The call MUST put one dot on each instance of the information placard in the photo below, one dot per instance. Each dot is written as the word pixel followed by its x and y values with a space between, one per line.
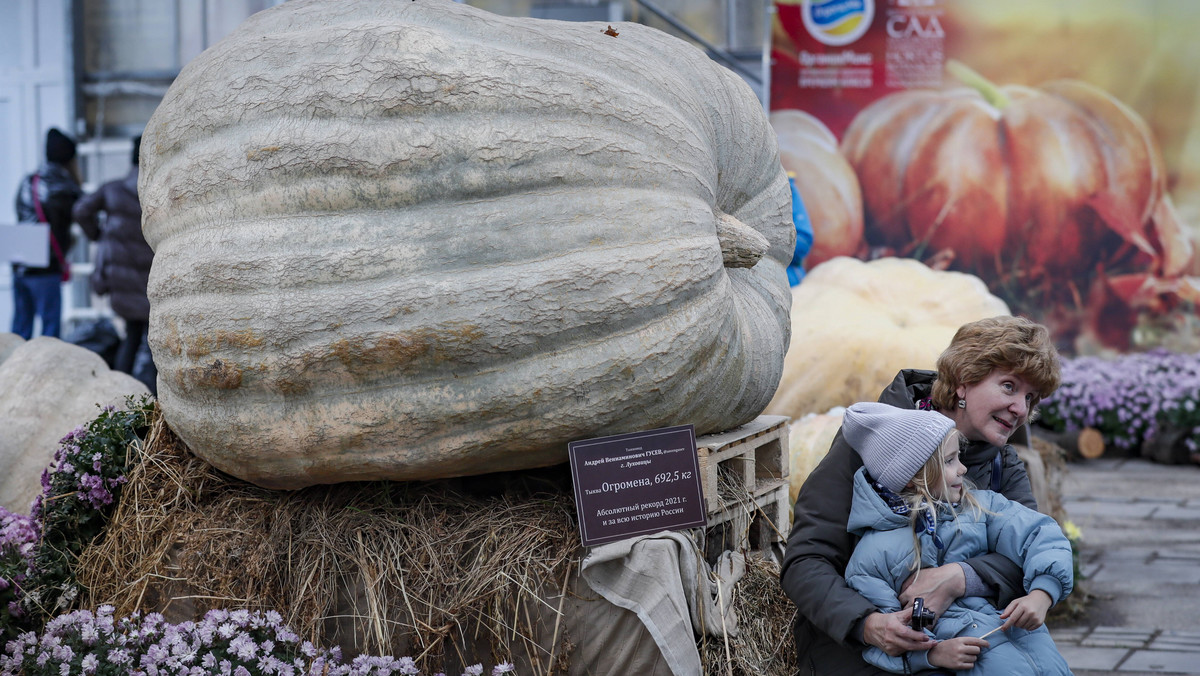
pixel 638 483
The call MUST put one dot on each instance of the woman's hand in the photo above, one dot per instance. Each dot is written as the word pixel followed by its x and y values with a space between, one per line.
pixel 890 633
pixel 938 586
pixel 1027 612
pixel 957 653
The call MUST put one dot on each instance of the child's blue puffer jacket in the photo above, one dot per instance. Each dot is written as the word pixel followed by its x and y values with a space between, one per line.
pixel 883 558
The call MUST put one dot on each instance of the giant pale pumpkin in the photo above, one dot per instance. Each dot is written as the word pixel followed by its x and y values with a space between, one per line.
pixel 407 240
pixel 1021 184
pixel 856 324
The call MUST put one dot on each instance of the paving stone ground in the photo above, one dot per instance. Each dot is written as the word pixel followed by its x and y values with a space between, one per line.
pixel 1140 555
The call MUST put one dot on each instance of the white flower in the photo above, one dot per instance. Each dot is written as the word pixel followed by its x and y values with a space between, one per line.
pixel 118 656
pixel 241 616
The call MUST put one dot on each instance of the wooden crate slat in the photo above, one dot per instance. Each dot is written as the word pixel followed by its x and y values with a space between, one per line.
pixel 754 455
pixel 751 528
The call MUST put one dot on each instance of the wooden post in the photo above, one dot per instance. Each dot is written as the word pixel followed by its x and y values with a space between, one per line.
pixel 1086 443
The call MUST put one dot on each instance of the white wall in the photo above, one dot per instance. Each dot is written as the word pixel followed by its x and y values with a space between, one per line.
pixel 35 94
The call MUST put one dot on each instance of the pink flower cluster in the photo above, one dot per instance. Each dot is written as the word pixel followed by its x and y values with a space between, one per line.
pixel 1128 398
pixel 229 643
pixel 18 537
pixel 84 473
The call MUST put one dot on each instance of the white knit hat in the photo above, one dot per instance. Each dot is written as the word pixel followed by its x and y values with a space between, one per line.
pixel 894 442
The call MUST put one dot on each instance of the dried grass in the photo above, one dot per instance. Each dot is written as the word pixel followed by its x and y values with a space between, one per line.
pixel 428 569
pixel 392 568
pixel 1054 458
pixel 764 645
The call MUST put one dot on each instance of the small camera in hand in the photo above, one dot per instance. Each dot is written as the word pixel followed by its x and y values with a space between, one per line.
pixel 922 617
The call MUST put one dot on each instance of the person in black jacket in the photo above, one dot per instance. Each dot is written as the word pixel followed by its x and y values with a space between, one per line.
pixel 122 265
pixel 988 381
pixel 46 196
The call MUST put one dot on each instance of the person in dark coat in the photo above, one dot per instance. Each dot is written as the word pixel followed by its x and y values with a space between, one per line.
pixel 122 265
pixel 46 196
pixel 987 381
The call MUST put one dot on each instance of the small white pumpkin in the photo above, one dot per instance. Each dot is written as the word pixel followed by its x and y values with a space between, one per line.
pixel 48 387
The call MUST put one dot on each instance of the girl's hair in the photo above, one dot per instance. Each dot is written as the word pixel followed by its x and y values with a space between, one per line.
pixel 919 497
pixel 1012 344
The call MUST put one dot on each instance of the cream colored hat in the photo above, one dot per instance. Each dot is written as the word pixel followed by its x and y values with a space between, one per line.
pixel 894 442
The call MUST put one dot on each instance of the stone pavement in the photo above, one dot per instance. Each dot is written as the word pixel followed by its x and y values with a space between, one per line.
pixel 1140 557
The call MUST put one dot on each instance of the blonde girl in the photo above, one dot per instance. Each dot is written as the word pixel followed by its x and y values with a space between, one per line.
pixel 913 508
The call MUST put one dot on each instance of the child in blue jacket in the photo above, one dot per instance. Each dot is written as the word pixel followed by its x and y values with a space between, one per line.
pixel 910 497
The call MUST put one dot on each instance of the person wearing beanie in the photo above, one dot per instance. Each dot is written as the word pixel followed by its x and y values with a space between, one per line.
pixel 123 259
pixel 912 509
pixel 894 458
pixel 987 383
pixel 60 149
pixel 46 196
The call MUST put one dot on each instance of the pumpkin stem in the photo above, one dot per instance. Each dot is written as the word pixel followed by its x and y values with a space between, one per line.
pixel 741 245
pixel 986 88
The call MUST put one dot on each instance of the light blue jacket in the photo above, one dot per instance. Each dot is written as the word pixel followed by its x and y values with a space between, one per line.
pixel 882 562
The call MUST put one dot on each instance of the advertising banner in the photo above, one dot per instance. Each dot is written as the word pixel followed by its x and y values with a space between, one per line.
pixel 1050 148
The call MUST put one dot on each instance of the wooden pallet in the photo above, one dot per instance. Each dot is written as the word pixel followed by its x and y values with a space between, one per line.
pixel 758 526
pixel 744 474
pixel 749 459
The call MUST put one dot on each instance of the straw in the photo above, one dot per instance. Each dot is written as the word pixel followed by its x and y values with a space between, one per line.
pixel 436 570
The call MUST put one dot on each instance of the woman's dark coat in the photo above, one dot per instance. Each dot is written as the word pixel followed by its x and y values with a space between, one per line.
pixel 819 546
pixel 123 260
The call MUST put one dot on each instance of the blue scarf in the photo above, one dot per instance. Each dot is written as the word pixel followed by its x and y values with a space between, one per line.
pixel 898 506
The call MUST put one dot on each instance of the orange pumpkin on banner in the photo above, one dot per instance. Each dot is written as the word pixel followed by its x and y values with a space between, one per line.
pixel 1022 185
pixel 826 183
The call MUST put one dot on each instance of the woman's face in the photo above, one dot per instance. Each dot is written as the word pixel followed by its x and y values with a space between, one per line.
pixel 995 407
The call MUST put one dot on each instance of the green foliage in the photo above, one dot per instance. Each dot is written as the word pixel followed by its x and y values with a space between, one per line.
pixel 80 491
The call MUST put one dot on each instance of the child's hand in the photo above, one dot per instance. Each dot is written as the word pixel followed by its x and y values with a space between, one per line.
pixel 957 653
pixel 890 633
pixel 1027 612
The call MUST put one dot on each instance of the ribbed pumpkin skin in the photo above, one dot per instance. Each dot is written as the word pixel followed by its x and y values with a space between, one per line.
pixel 410 240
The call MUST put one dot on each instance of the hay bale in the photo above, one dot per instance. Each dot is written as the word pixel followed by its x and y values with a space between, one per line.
pixel 1046 464
pixel 451 572
pixel 426 560
pixel 764 645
